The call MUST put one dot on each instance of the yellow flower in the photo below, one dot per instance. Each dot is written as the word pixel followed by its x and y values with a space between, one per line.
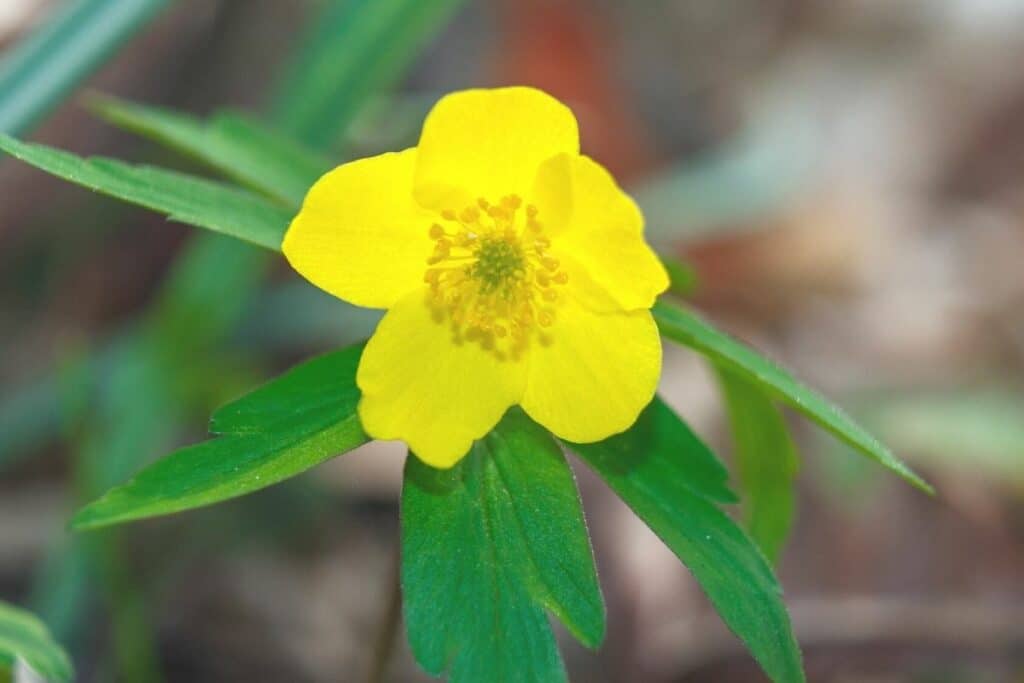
pixel 513 270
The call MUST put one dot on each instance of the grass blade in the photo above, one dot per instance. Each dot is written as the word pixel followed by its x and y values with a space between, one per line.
pixel 356 49
pixel 236 146
pixel 188 199
pixel 46 68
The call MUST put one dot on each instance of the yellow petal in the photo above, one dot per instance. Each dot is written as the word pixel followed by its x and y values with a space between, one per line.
pixel 490 143
pixel 592 220
pixel 595 375
pixel 422 387
pixel 360 234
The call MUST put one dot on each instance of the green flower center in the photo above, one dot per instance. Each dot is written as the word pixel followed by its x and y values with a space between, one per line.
pixel 491 272
pixel 500 266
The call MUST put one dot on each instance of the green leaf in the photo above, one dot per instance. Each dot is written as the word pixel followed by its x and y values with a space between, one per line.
pixel 660 431
pixel 44 69
pixel 184 198
pixel 355 49
pixel 654 467
pixel 681 276
pixel 304 417
pixel 487 546
pixel 23 637
pixel 766 459
pixel 688 329
pixel 234 145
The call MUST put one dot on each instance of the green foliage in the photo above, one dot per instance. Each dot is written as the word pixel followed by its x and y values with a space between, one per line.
pixel 23 637
pixel 306 416
pixel 357 48
pixel 682 277
pixel 486 547
pixel 766 459
pixel 175 346
pixel 654 468
pixel 238 147
pixel 688 329
pixel 40 72
pixel 491 544
pixel 184 198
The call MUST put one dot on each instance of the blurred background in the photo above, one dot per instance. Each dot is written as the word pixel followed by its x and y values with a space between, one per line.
pixel 845 177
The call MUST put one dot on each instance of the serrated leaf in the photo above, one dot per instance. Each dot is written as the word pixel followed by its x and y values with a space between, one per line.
pixel 23 637
pixel 356 48
pixel 299 420
pixel 658 483
pixel 240 148
pixel 688 329
pixel 766 459
pixel 184 198
pixel 486 547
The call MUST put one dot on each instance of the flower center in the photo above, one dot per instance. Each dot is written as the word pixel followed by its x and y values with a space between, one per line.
pixel 491 272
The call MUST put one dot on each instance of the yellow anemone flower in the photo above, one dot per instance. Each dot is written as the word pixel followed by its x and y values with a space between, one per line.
pixel 513 270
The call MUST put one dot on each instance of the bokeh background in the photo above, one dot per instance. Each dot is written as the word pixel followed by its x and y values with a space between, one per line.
pixel 846 178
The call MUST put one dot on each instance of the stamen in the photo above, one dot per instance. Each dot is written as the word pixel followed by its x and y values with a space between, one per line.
pixel 492 274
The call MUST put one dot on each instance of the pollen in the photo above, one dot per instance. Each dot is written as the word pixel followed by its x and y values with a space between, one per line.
pixel 492 274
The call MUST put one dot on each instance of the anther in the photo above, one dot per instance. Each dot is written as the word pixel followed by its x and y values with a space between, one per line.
pixel 499 283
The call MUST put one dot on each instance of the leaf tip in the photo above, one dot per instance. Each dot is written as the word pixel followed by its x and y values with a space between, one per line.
pixel 89 518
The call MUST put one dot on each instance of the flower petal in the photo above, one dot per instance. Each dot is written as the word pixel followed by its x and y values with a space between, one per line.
pixel 360 234
pixel 596 373
pixel 490 143
pixel 591 219
pixel 435 393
